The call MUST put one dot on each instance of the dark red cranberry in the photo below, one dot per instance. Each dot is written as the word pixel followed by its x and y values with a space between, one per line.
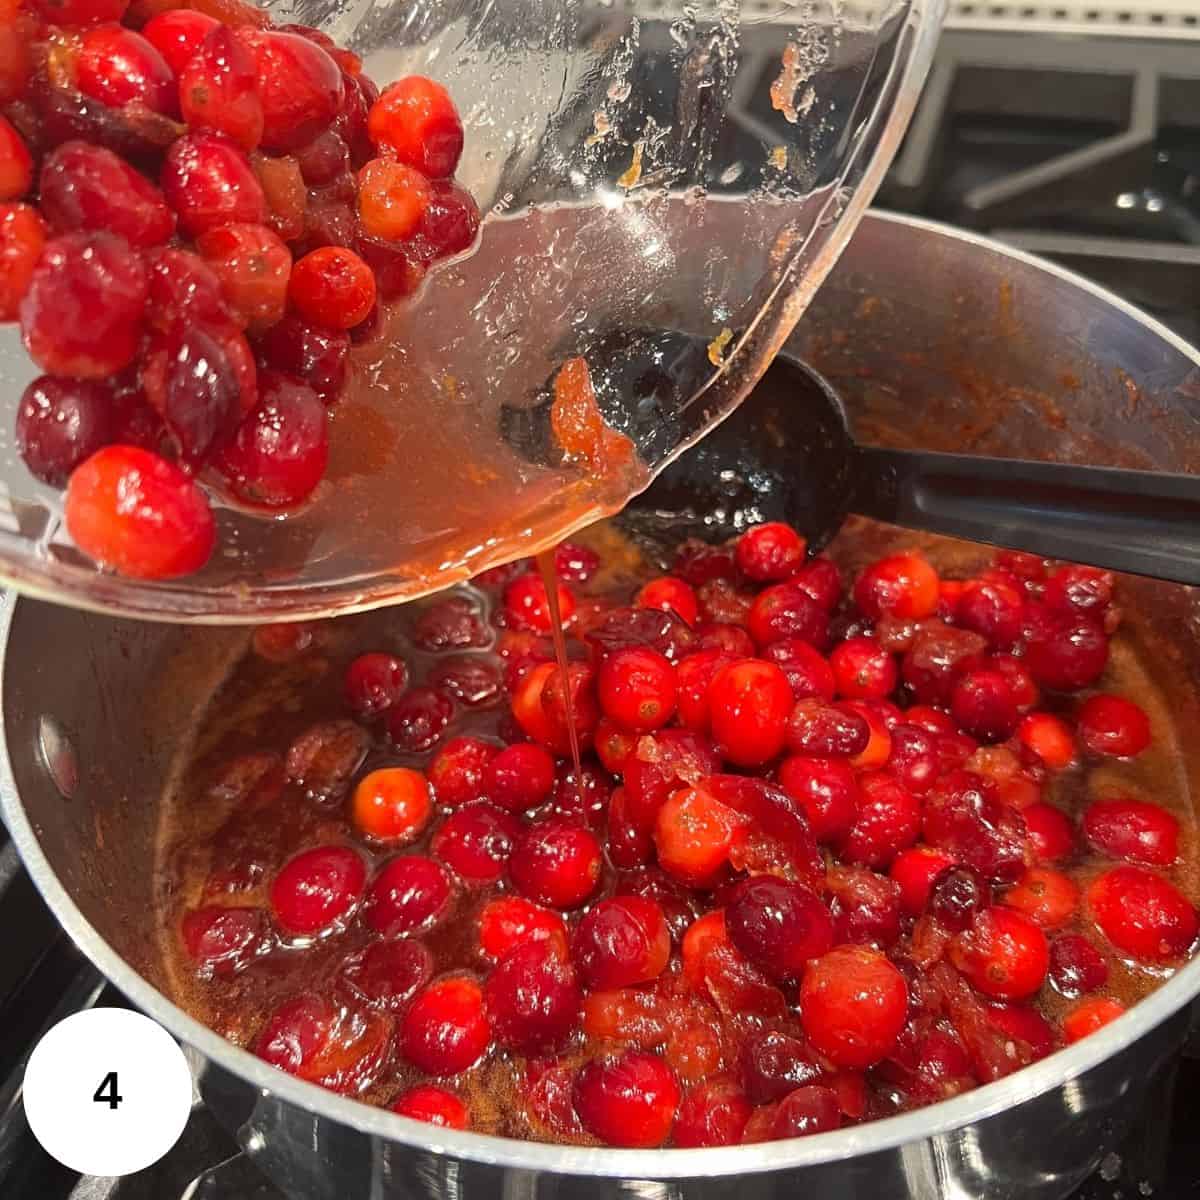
pixel 807 670
pixel 827 792
pixel 220 940
pixel 209 182
pixel 60 422
pixel 388 975
pixel 533 999
pixel 477 842
pixel 308 353
pixel 674 900
pixel 458 769
pixel 470 679
pixel 450 624
pixel 642 627
pixel 820 578
pixel 627 1101
pixel 778 925
pixel 938 656
pixel 772 1064
pixel 446 1030
pixel 732 640
pixel 819 729
pixel 1076 966
pixel 914 758
pixel 520 777
pixel 964 818
pixel 983 704
pixel 450 223
pixel 621 942
pixel 183 288
pixel 318 889
pixel 993 609
pixel 1134 830
pixel 1062 650
pixel 807 1110
pixel 711 1114
pixel 628 844
pixel 299 85
pixel 117 67
pixel 397 265
pixel 786 610
pixel 865 907
pixel 1113 725
pixel 374 682
pixel 581 796
pixel 410 894
pixel 957 894
pixel 557 863
pixel 887 820
pixel 1083 591
pixel 574 563
pixel 418 719
pixel 324 159
pixel 697 563
pixel 324 758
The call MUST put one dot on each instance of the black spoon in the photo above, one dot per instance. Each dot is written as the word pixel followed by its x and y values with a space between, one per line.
pixel 787 453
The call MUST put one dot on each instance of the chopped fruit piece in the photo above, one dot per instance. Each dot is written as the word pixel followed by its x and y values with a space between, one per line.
pixel 694 834
pixel 578 425
pixel 416 121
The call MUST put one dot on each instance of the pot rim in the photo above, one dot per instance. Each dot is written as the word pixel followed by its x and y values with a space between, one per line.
pixel 969 1108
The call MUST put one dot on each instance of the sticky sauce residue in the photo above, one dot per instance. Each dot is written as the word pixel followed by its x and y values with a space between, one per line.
pixel 787 83
pixel 717 347
pixel 633 173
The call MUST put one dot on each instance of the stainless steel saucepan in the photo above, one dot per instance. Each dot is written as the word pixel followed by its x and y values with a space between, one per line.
pixel 936 339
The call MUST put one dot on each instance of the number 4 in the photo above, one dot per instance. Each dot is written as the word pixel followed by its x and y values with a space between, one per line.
pixel 107 1092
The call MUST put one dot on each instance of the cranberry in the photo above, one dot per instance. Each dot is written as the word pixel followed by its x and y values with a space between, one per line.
pixel 221 940
pixel 1003 953
pixel 693 834
pixel 668 594
pixel 769 552
pixel 207 179
pixel 477 842
pixel 621 942
pixel 773 1064
pixel 117 67
pixel 88 188
pixel 183 290
pixel 915 871
pixel 853 1004
pixel 820 578
pixel 410 894
pixel 458 770
pixel 778 925
pixel 22 238
pixel 60 422
pixel 253 266
pixel 806 1110
pixel 417 720
pixel 1113 725
pixel 137 513
pixel 625 627
pixel 1142 914
pixel 1023 1022
pixel 511 921
pixel 285 193
pixel 903 585
pixel 1131 829
pixel 1025 692
pixel 675 901
pixel 862 669
pixel 519 777
pixel 449 223
pixel 285 641
pixel 82 313
pixel 324 758
pixel 526 605
pixel 774 834
pixel 470 679
pixel 1048 737
pixel 628 843
pixel 914 758
pixel 692 678
pixel 956 896
pixel 1083 591
pixel 575 563
pixel 629 1100
pixel 392 199
pixel 993 609
pixel 1051 836
pixel 398 267
pixel 816 728
pixel 325 159
pixel 416 121
pixel 697 563
pixel 887 820
pixel 938 656
pixel 711 1114
pixel 583 795
pixel 786 610
pixel 388 975
pixel 299 85
pixel 964 818
pixel 177 34
pixel 982 703
pixel 1047 897
pixel 865 907
pixel 374 682
pixel 435 1105
pixel 749 703
pixel 446 1031
pixel 218 89
pixel 636 688
pixel 533 998
pixel 1090 1016
pixel 879 740
pixel 557 862
pixel 1063 651
pixel 827 792
pixel 450 623
pixel 1076 966
pixel 318 889
pixel 391 805
pixel 332 287
pixel 662 763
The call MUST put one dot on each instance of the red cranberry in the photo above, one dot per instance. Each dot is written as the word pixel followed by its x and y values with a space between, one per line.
pixel 697 563
pixel 1083 591
pixel 22 238
pixel 435 1105
pixel 937 657
pixel 1045 896
pixel 628 844
pixel 458 770
pixel 1131 829
pixel 117 67
pixel 325 757
pixel 220 940
pixel 853 1004
pixel 915 871
pixel 621 942
pixel 1051 836
pixel 668 594
pixel 416 120
pixel 557 862
pixel 636 688
pixel 642 627
pixel 786 610
pixel 470 679
pixel 1076 966
pixel 183 289
pixel 663 763
pixel 1089 1017
pixel 982 703
pixel 964 818
pixel 209 182
pixel 300 87
pixel 749 703
pixel 507 922
pixel 827 792
pixel 296 1033
pixel 732 640
pixel 904 585
pixel 388 975
pixel 410 894
pixel 477 842
pixel 770 552
pixel 863 669
pixel 398 267
pixel 520 777
pixel 711 1114
pixel 819 729
pixel 956 896
pixel 627 1101
pixel 60 422
pixel 1023 1022
pixel 914 757
pixel 1003 953
pixel 887 820
pixel 446 1031
pixel 778 925
pixel 317 890
pixel 992 609
pixel 392 804
pixel 253 265
pixel 806 1110
pixel 693 675
pixel 449 224
pixel 1142 914
pixel 1064 651
pixel 808 671
pixel 177 34
pixel 82 313
pixel 575 563
pixel 526 605
pixel 533 999
pixel 1113 725
pixel 139 514
pixel 332 287
pixel 374 682
pixel 219 89
pixel 278 454
pixel 820 578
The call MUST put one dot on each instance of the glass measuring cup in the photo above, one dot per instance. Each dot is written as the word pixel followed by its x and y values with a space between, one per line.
pixel 690 168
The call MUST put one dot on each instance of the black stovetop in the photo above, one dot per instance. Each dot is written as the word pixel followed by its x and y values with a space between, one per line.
pixel 1083 149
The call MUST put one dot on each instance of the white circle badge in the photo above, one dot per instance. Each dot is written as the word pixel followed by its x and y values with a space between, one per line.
pixel 107 1092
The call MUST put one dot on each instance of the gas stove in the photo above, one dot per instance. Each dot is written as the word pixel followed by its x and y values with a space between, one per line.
pixel 1065 129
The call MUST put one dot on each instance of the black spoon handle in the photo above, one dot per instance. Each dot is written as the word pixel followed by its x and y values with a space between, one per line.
pixel 1141 522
